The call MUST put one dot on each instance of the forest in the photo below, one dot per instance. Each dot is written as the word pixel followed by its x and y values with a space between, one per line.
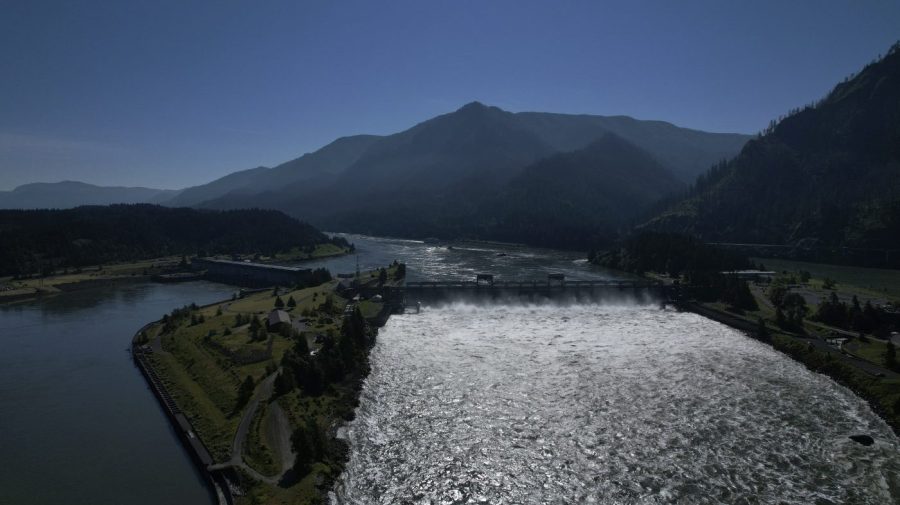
pixel 41 241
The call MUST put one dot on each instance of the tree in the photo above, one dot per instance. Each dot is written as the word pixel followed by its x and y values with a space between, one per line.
pixel 777 292
pixel 291 302
pixel 780 320
pixel 795 309
pixel 829 283
pixel 761 328
pixel 279 303
pixel 382 276
pixel 245 392
pixel 890 356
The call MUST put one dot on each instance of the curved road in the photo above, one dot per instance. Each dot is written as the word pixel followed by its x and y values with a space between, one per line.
pixel 279 421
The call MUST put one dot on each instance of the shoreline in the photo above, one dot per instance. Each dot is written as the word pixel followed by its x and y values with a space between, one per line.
pixel 221 479
pixel 192 444
pixel 751 330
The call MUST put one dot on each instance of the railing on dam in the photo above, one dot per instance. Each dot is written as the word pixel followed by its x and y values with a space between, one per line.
pixel 527 284
pixel 554 287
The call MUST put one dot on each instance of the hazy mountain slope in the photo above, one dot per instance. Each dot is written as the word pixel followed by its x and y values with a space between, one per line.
pixel 236 181
pixel 330 160
pixel 686 153
pixel 827 174
pixel 67 194
pixel 474 141
pixel 318 168
pixel 474 145
pixel 572 199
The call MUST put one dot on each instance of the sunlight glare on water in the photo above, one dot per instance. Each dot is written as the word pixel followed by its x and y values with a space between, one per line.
pixel 603 404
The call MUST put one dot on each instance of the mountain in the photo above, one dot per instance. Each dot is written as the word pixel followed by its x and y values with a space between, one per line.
pixel 575 199
pixel 317 169
pixel 579 198
pixel 233 182
pixel 686 153
pixel 436 177
pixel 826 175
pixel 67 194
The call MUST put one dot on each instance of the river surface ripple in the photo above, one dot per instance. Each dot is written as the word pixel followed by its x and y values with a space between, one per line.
pixel 603 404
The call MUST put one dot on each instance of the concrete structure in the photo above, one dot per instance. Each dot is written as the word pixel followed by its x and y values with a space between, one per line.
pixel 555 287
pixel 751 275
pixel 243 273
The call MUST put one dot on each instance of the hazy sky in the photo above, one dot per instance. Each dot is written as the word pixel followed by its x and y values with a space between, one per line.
pixel 169 94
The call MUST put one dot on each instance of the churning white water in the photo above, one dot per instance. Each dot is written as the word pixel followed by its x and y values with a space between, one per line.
pixel 603 404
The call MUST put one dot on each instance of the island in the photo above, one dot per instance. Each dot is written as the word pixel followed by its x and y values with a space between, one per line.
pixel 258 385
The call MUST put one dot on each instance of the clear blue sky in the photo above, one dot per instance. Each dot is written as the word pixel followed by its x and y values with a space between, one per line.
pixel 174 93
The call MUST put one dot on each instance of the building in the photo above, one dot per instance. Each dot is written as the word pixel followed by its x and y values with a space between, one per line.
pixel 245 273
pixel 751 275
pixel 278 319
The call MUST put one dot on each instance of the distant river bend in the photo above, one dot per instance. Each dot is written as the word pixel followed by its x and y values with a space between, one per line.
pixel 603 404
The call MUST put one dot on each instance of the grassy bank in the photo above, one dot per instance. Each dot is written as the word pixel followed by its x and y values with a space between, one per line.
pixel 217 361
pixel 12 289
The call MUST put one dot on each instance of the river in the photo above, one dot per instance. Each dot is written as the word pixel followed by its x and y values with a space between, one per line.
pixel 537 404
pixel 78 423
pixel 603 404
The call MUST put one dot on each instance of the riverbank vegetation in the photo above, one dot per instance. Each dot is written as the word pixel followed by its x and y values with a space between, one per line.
pixel 843 336
pixel 14 288
pixel 281 383
pixel 43 242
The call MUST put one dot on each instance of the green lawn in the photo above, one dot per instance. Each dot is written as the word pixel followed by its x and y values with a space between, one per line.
pixel 872 351
pixel 870 281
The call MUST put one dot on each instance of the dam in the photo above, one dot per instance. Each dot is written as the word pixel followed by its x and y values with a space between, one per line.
pixel 555 287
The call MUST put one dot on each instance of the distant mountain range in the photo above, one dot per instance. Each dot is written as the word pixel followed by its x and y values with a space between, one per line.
pixel 827 175
pixel 67 194
pixel 477 172
pixel 467 174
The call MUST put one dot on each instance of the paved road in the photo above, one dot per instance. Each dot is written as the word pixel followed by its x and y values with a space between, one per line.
pixel 278 435
pixel 262 393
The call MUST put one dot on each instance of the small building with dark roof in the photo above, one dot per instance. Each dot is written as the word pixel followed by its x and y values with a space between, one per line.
pixel 277 319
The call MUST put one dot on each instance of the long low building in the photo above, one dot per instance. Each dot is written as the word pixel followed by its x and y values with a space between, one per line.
pixel 243 273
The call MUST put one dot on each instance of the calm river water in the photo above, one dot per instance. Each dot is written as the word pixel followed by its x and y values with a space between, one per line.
pixel 498 404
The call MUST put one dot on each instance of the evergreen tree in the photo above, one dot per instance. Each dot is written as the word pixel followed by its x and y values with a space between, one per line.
pixel 890 356
pixel 291 302
pixel 279 303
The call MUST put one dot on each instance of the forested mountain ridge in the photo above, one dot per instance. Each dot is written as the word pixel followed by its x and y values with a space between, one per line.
pixel 567 200
pixel 314 169
pixel 579 198
pixel 460 174
pixel 476 141
pixel 34 240
pixel 828 174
